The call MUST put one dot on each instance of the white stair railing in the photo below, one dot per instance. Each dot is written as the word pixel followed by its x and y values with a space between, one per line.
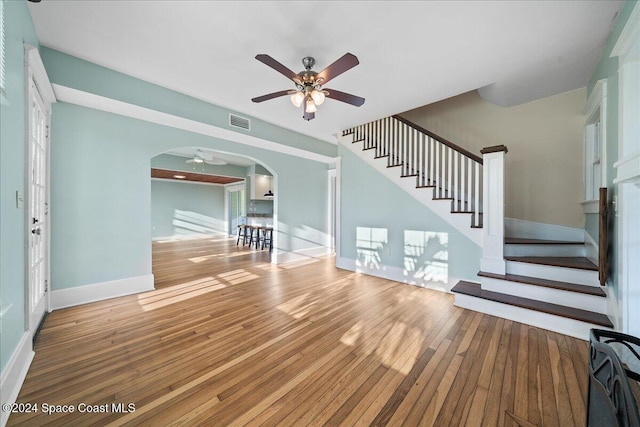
pixel 454 173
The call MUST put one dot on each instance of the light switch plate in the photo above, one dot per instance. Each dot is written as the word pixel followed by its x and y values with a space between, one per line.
pixel 19 199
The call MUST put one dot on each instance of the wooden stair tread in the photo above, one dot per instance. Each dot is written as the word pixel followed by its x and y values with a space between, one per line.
pixel 565 286
pixel 522 241
pixel 580 263
pixel 474 289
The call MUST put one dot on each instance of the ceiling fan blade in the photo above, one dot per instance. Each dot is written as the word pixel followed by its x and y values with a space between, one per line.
pixel 309 116
pixel 271 96
pixel 344 97
pixel 203 155
pixel 346 62
pixel 269 61
pixel 216 162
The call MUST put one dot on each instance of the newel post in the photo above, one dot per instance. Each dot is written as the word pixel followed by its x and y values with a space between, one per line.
pixel 493 210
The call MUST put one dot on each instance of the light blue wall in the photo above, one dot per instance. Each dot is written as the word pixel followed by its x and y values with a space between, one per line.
pixel 101 207
pixel 181 208
pixel 607 68
pixel 19 29
pixel 73 72
pixel 376 211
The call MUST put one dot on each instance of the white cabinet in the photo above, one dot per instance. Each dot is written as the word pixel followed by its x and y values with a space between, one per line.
pixel 260 185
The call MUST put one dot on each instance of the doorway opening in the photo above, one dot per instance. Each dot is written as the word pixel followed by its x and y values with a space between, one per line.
pixel 199 198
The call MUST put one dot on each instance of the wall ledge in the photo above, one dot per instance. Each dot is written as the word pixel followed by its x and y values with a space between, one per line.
pixel 628 169
pixel 102 103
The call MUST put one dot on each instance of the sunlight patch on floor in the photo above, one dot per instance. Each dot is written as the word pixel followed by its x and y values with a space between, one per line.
pixel 199 259
pixel 296 264
pixel 399 348
pixel 268 267
pixel 236 277
pixel 297 307
pixel 351 337
pixel 177 287
pixel 176 294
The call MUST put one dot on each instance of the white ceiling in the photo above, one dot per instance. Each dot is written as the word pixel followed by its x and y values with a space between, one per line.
pixel 411 53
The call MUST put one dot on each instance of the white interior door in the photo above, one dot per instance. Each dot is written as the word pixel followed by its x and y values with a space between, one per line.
pixel 38 215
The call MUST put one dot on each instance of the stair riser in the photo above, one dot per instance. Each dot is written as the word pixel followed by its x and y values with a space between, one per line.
pixel 545 250
pixel 563 325
pixel 560 274
pixel 540 293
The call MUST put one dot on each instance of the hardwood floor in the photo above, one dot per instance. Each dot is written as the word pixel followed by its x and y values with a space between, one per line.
pixel 229 339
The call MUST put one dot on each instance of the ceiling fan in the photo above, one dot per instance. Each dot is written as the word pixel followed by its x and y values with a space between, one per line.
pixel 203 157
pixel 309 91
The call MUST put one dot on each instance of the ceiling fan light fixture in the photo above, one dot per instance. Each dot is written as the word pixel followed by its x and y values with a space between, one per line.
pixel 297 98
pixel 318 96
pixel 309 83
pixel 310 106
pixel 197 159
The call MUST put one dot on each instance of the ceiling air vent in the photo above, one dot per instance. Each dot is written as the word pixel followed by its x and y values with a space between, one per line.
pixel 239 122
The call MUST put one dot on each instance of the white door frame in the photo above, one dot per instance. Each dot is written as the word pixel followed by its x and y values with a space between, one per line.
pixel 627 208
pixel 36 79
pixel 331 209
pixel 227 218
pixel 337 208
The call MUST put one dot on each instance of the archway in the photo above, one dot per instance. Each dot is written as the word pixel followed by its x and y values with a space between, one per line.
pixel 203 193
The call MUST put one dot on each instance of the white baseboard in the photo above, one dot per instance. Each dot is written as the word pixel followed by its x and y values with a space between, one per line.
pixel 14 373
pixel 537 230
pixel 396 274
pixel 190 236
pixel 100 291
pixel 281 257
pixel 613 309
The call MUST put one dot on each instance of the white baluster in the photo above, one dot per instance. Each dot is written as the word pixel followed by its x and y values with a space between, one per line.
pixel 423 166
pixel 403 168
pixel 469 182
pixel 431 161
pixel 476 204
pixel 416 151
pixel 449 172
pixel 388 138
pixel 456 191
pixel 438 172
pixel 394 143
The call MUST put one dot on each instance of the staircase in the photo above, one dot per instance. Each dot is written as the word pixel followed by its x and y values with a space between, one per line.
pixel 549 284
pixel 544 283
pixel 441 175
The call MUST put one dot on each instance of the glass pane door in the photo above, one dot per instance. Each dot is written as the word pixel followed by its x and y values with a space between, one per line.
pixel 237 210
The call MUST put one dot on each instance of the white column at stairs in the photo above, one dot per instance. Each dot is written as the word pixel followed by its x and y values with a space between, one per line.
pixel 492 260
